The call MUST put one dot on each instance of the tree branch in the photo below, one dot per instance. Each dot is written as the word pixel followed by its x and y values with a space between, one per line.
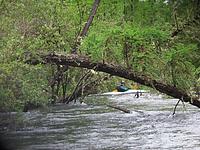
pixel 116 70
pixel 86 27
pixel 195 20
pixel 119 108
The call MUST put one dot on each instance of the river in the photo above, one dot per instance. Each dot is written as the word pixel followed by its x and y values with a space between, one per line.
pixel 150 125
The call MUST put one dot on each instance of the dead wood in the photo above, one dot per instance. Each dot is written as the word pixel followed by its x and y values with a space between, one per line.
pixel 116 70
pixel 119 108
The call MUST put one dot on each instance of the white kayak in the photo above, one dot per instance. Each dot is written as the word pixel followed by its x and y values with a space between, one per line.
pixel 123 93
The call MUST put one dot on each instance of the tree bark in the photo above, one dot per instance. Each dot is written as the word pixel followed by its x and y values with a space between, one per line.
pixel 119 108
pixel 86 27
pixel 116 70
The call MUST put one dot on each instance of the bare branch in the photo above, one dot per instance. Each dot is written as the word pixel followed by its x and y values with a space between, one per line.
pixel 86 27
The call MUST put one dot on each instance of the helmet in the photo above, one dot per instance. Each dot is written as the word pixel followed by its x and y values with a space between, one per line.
pixel 122 82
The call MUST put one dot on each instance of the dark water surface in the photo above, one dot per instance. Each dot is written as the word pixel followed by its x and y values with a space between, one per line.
pixel 82 127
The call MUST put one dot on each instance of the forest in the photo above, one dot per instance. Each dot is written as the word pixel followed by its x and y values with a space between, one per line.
pixel 56 50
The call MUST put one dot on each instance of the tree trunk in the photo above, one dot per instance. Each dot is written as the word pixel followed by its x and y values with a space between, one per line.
pixel 86 27
pixel 116 70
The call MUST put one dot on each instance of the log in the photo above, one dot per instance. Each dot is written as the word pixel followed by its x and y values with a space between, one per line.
pixel 119 108
pixel 116 70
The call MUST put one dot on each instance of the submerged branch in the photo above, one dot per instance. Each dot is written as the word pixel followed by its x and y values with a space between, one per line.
pixel 177 105
pixel 119 108
pixel 76 90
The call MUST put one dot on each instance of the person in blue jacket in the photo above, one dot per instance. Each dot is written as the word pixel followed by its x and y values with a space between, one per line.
pixel 122 87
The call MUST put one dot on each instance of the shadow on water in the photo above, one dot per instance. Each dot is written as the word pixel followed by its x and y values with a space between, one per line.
pixel 150 125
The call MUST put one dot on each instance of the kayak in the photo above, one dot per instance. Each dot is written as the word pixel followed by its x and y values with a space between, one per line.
pixel 123 93
pixel 122 88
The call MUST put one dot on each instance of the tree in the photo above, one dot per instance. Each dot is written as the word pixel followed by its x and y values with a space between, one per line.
pixel 153 38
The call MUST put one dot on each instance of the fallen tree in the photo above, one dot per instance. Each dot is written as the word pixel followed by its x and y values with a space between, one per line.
pixel 119 108
pixel 116 70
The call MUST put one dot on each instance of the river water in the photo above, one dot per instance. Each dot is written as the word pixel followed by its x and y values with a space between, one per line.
pixel 150 125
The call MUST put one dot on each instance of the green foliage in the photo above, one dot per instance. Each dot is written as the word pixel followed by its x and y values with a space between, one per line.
pixel 104 43
pixel 20 83
pixel 131 33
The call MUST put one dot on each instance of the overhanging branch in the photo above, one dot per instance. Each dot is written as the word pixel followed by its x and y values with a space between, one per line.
pixel 85 62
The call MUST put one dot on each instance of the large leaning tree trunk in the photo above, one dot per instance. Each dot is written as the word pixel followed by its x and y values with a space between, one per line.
pixel 85 29
pixel 85 62
pixel 58 78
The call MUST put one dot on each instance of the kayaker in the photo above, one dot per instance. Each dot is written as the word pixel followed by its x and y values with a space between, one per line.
pixel 137 94
pixel 122 87
pixel 136 86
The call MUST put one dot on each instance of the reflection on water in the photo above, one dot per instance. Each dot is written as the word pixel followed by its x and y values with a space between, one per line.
pixel 149 126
